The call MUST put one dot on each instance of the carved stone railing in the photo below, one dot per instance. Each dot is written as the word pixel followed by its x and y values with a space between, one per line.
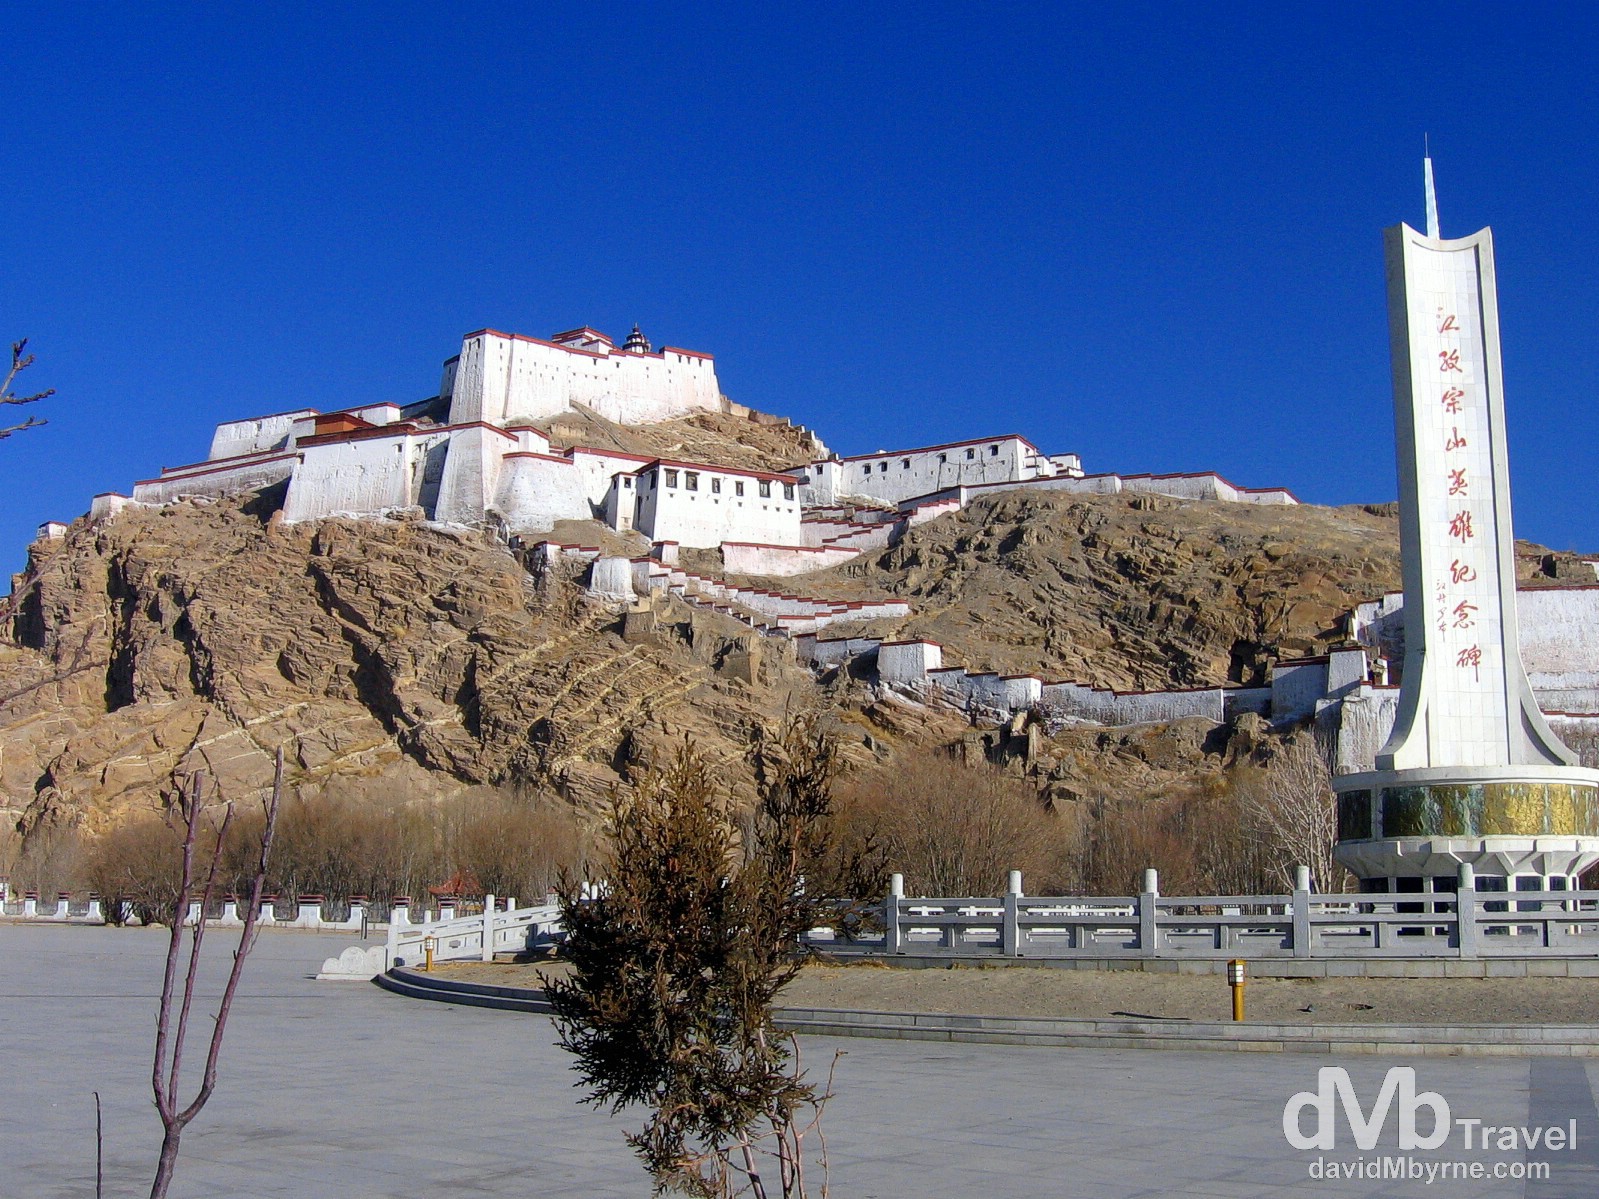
pixel 1464 924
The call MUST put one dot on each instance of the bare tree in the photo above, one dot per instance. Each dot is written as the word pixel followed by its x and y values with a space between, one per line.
pixel 19 363
pixel 1297 812
pixel 198 880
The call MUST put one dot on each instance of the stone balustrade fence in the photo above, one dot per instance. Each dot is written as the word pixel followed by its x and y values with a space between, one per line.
pixel 1464 924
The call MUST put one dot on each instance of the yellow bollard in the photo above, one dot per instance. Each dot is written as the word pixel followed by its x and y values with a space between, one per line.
pixel 428 946
pixel 1235 980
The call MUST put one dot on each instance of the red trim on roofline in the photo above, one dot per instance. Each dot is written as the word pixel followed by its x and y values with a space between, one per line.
pixel 800 549
pixel 536 454
pixel 234 459
pixel 928 449
pixel 374 433
pixel 770 476
pixel 577 350
pixel 272 415
pixel 605 337
pixel 181 473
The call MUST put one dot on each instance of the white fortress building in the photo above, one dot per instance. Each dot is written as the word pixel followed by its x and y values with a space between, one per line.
pixel 475 455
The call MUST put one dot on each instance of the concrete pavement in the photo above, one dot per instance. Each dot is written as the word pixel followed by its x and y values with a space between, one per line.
pixel 343 1090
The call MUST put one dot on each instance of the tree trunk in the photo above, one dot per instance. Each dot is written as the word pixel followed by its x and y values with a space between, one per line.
pixel 167 1164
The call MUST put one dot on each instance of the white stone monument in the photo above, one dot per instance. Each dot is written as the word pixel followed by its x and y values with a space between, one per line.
pixel 1472 773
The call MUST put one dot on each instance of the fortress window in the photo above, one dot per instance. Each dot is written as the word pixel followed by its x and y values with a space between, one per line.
pixel 993 449
pixel 866 469
pixel 627 484
pixel 943 458
pixel 970 454
pixel 882 467
pixel 671 478
pixel 766 488
pixel 716 486
pixel 904 464
pixel 691 480
pixel 738 487
pixel 788 491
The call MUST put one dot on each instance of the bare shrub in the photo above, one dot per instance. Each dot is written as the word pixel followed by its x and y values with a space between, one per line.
pixel 137 869
pixel 1292 805
pixel 515 846
pixel 1201 838
pixel 50 859
pixel 953 830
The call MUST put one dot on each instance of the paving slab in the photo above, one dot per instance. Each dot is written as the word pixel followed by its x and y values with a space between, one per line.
pixel 350 1092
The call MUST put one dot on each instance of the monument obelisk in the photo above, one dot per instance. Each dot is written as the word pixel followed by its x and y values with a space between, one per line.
pixel 1472 772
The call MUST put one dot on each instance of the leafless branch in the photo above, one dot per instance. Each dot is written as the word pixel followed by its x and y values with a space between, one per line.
pixel 19 363
pixel 169 1044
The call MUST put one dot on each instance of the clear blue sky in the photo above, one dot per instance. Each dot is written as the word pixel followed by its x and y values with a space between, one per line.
pixel 1149 235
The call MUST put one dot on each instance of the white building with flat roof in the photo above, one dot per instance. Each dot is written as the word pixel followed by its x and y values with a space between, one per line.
pixel 472 455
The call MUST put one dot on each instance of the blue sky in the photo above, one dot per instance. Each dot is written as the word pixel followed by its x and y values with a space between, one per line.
pixel 1150 235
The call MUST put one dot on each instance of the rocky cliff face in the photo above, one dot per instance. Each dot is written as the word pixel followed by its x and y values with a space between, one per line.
pixel 389 656
pixel 406 660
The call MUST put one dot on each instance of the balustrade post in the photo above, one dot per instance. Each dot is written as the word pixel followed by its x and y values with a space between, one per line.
pixel 488 928
pixel 896 892
pixel 1148 900
pixel 1010 936
pixel 1466 912
pixel 1301 910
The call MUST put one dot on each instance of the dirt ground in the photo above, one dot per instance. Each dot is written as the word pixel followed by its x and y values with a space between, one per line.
pixel 1096 994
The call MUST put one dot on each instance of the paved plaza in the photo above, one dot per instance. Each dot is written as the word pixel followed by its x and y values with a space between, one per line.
pixel 344 1090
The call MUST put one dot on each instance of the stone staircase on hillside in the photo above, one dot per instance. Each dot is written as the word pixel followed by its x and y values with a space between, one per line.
pixel 771 613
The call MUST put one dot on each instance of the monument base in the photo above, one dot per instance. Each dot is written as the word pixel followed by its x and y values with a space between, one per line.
pixel 1525 822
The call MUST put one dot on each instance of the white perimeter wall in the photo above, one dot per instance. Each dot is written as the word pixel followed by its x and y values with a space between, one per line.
pixel 704 519
pixel 251 474
pixel 365 476
pixel 471 473
pixel 908 474
pixel 1557 627
pixel 500 378
pixel 255 435
pixel 535 491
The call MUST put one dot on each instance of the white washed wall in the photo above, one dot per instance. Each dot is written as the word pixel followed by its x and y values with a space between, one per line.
pixel 471 472
pixel 536 490
pixel 743 558
pixel 499 378
pixel 703 518
pixel 248 474
pixel 907 474
pixel 254 436
pixel 361 477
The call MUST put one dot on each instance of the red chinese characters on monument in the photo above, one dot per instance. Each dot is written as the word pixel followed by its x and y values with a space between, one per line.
pixel 1456 612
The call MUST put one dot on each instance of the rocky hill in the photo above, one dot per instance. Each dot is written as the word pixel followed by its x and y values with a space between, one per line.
pixel 405 659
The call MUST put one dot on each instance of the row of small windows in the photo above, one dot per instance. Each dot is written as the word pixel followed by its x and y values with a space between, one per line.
pixel 905 463
pixel 691 482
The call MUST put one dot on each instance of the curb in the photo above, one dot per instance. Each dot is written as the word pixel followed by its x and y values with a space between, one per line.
pixel 1404 1040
